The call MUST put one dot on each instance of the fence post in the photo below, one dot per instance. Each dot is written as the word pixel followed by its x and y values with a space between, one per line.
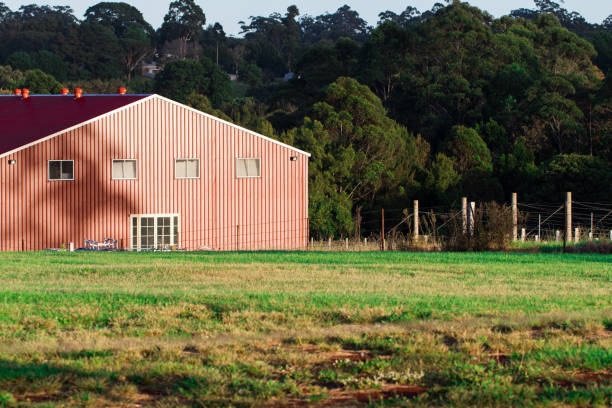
pixel 577 234
pixel 308 243
pixel 464 216
pixel 329 242
pixel 539 226
pixel 568 216
pixel 557 235
pixel 514 217
pixel 383 230
pixel 591 233
pixel 471 213
pixel 346 243
pixel 416 220
pixel 523 234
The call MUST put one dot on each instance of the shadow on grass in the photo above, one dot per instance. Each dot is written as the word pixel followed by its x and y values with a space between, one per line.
pixel 31 382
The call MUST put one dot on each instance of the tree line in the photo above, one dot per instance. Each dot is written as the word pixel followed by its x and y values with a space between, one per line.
pixel 429 105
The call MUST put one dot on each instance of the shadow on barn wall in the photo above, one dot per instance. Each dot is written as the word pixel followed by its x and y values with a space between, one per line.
pixel 59 212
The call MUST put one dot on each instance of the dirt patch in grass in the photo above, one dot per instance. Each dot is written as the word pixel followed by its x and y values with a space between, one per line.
pixel 583 378
pixel 38 398
pixel 341 355
pixel 364 396
pixel 343 397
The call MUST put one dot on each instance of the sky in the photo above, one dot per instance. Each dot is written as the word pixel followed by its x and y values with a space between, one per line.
pixel 228 14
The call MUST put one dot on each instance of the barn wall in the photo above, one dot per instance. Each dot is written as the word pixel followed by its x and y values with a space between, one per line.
pixel 218 211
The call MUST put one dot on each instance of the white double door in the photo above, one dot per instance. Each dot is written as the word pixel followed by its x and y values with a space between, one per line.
pixel 154 231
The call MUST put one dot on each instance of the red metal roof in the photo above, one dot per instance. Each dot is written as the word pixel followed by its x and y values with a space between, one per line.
pixel 24 121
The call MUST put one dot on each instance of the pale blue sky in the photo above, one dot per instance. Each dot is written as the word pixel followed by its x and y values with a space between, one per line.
pixel 228 13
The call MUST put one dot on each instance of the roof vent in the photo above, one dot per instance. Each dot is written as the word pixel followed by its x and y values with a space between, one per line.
pixel 78 93
pixel 121 91
pixel 64 91
pixel 17 92
pixel 25 93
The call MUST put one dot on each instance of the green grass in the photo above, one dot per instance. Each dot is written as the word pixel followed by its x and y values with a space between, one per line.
pixel 291 328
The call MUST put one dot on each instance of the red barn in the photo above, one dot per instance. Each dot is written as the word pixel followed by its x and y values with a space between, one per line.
pixel 146 171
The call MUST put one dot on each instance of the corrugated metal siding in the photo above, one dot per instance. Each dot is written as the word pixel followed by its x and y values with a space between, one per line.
pixel 218 211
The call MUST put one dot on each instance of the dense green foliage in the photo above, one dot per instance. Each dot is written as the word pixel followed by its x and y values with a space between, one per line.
pixel 429 106
pixel 305 329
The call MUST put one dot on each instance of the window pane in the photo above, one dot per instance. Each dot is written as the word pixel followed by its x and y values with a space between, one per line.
pixel 55 170
pixel 193 168
pixel 117 169
pixel 253 167
pixel 147 232
pixel 241 170
pixel 248 167
pixel 134 232
pixel 67 170
pixel 180 170
pixel 129 169
pixel 176 228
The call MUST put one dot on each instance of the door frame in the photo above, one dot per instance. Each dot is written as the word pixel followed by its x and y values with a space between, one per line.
pixel 175 230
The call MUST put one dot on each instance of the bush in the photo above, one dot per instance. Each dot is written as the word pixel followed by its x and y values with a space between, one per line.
pixel 492 230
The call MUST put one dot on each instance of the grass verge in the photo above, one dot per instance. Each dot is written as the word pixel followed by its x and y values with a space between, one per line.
pixel 304 328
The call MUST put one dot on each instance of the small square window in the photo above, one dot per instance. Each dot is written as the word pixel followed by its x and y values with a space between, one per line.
pixel 248 168
pixel 61 170
pixel 124 169
pixel 187 168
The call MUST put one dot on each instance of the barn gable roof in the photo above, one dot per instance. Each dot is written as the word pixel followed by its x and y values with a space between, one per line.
pixel 24 123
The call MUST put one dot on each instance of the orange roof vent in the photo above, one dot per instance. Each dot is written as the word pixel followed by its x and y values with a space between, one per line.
pixel 64 91
pixel 25 93
pixel 121 91
pixel 17 92
pixel 78 93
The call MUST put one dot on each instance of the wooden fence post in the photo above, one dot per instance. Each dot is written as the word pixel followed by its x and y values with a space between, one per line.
pixel 577 234
pixel 416 220
pixel 568 216
pixel 383 230
pixel 514 217
pixel 471 217
pixel 464 216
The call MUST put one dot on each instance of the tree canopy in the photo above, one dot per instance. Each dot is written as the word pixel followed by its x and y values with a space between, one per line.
pixel 431 104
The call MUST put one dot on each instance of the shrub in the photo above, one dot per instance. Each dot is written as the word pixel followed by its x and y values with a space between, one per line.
pixel 492 230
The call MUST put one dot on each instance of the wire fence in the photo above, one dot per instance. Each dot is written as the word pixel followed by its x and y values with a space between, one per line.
pixel 395 229
pixel 549 222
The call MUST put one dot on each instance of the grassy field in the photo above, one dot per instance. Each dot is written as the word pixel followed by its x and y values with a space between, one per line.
pixel 302 329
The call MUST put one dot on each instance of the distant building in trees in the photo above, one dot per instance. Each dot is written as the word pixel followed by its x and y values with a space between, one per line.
pixel 149 69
